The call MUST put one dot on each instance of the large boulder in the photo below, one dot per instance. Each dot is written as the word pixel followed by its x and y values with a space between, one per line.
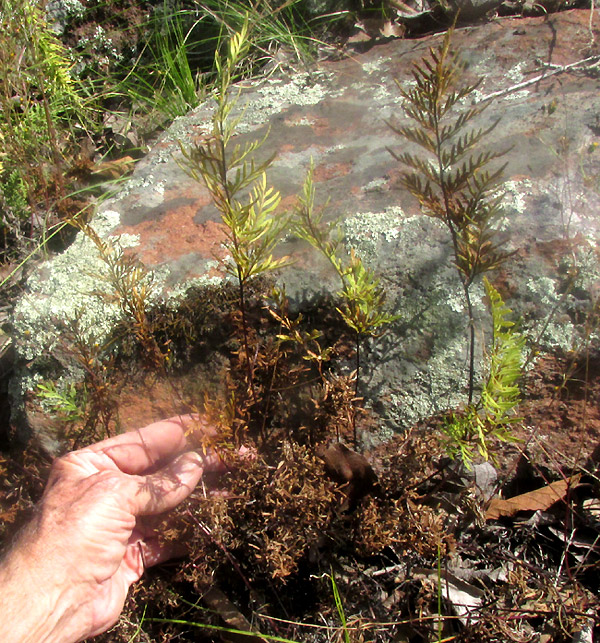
pixel 337 115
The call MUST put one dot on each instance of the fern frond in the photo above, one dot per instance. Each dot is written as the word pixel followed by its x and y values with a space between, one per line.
pixel 455 183
pixel 239 154
pixel 501 393
pixel 418 136
pixel 493 417
pixel 362 295
pixel 425 167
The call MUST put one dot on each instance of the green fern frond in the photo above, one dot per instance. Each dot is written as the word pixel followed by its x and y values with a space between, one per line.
pixel 362 295
pixel 474 429
pixel 501 393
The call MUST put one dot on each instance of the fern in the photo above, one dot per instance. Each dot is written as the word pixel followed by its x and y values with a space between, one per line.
pixel 238 186
pixel 501 392
pixel 362 295
pixel 453 182
pixel 67 403
pixel 493 416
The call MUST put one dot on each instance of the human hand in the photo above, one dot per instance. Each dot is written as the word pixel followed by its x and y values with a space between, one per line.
pixel 68 575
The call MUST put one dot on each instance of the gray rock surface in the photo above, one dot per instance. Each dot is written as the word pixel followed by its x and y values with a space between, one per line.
pixel 337 115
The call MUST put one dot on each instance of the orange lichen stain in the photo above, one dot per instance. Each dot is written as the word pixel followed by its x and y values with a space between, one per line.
pixel 288 202
pixel 327 171
pixel 176 234
pixel 321 125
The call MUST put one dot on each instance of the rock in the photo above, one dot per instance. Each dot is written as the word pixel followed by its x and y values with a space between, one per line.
pixel 60 12
pixel 337 115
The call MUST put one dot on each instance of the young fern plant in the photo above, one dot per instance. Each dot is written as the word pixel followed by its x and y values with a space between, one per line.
pixel 132 287
pixel 493 415
pixel 238 186
pixel 363 298
pixel 454 182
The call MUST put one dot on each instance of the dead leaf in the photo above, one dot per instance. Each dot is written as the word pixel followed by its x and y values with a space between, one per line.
pixel 350 469
pixel 465 598
pixel 216 600
pixel 538 500
pixel 391 29
pixel 378 27
pixel 112 170
pixel 360 36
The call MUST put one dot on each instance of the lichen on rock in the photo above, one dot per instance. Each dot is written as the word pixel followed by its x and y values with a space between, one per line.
pixel 71 286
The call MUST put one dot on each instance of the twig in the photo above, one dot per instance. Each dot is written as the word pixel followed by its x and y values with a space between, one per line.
pixel 388 570
pixel 587 63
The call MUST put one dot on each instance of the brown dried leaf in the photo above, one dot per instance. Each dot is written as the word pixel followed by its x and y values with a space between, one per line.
pixel 112 170
pixel 391 29
pixel 537 500
pixel 216 600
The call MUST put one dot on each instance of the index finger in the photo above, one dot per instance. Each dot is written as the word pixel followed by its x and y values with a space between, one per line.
pixel 137 451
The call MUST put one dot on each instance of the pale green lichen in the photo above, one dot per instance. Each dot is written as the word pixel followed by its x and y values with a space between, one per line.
pixel 585 262
pixel 485 69
pixel 440 383
pixel 376 185
pixel 382 95
pixel 514 194
pixel 376 65
pixel 307 122
pixel 178 292
pixel 257 103
pixel 275 95
pixel 364 231
pixel 513 200
pixel 515 73
pixel 432 390
pixel 385 95
pixel 72 286
pixel 153 190
pixel 559 331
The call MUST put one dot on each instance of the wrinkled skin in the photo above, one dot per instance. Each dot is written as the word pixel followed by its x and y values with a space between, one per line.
pixel 67 576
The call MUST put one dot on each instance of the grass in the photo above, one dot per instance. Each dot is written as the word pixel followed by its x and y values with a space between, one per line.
pixel 175 69
pixel 41 104
pixel 49 106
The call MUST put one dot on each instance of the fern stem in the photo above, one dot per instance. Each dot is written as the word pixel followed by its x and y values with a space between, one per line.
pixel 471 340
pixel 246 343
pixel 356 390
pixel 234 237
pixel 451 225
